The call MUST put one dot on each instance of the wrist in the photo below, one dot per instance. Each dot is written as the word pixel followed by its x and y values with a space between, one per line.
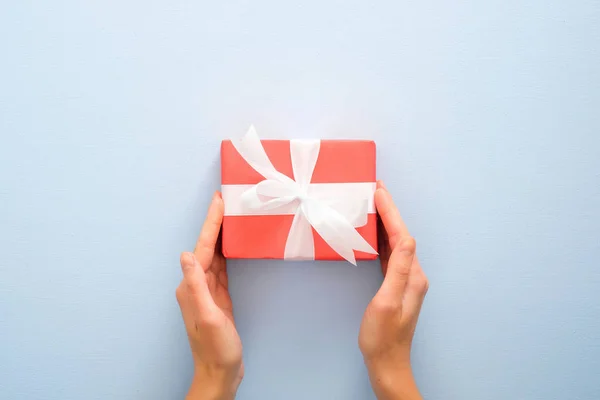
pixel 393 382
pixel 210 387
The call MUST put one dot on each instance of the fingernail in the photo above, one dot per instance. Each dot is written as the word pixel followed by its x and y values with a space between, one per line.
pixel 187 261
pixel 382 185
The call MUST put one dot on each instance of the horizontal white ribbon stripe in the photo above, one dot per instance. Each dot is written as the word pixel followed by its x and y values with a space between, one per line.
pixel 326 192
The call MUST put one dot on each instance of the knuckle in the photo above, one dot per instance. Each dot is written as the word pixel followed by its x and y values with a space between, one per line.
pixel 403 270
pixel 393 237
pixel 384 307
pixel 409 244
pixel 405 247
pixel 421 284
pixel 182 258
pixel 209 320
pixel 191 286
pixel 233 359
pixel 179 294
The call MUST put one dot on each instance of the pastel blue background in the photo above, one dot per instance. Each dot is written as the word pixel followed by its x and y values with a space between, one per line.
pixel 487 120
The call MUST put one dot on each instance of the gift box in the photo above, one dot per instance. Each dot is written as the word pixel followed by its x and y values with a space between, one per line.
pixel 298 199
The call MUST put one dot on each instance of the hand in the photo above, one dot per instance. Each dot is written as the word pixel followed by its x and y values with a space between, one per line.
pixel 390 320
pixel 207 311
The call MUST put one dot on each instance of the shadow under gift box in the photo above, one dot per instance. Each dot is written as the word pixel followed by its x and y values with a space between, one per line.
pixel 265 236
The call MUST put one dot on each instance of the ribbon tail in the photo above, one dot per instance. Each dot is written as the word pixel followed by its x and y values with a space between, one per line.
pixel 336 230
pixel 356 212
pixel 300 242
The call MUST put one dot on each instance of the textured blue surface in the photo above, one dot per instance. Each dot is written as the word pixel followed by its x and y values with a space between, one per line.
pixel 486 116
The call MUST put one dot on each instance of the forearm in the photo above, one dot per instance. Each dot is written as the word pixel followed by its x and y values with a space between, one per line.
pixel 394 384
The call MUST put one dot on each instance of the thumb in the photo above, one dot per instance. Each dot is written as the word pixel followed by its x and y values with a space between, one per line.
pixel 194 280
pixel 398 270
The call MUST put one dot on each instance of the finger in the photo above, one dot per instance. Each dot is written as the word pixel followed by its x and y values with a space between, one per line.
pixel 205 246
pixel 211 281
pixel 416 289
pixel 383 242
pixel 383 245
pixel 399 270
pixel 223 277
pixel 389 214
pixel 194 282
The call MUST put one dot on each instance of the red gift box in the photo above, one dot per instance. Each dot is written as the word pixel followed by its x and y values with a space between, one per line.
pixel 342 169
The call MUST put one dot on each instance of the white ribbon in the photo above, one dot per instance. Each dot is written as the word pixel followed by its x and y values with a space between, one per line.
pixel 334 214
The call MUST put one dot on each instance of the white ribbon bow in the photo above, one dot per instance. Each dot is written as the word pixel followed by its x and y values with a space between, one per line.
pixel 333 215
